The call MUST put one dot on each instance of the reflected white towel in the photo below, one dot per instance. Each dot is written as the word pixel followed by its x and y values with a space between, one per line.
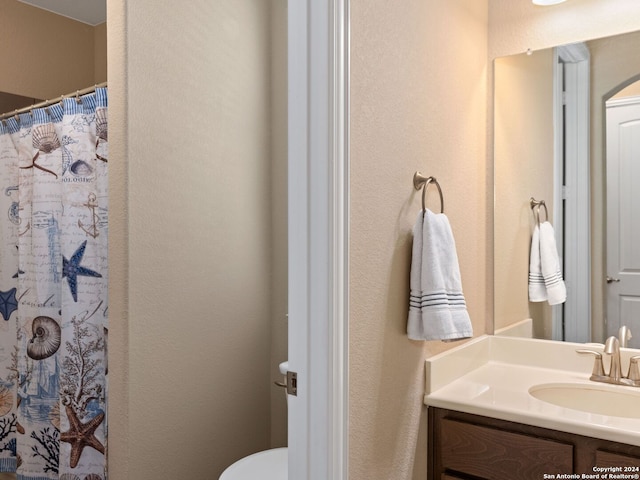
pixel 437 308
pixel 545 275
pixel 537 290
pixel 553 282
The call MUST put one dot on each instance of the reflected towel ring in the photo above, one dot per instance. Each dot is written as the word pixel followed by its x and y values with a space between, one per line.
pixel 420 181
pixel 539 203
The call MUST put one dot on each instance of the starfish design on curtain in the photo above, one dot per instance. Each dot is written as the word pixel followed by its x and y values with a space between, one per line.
pixel 81 435
pixel 72 270
pixel 8 303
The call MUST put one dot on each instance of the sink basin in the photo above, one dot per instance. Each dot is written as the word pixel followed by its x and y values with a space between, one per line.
pixel 601 400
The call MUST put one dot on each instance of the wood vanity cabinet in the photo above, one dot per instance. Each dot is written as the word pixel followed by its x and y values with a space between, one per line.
pixel 471 447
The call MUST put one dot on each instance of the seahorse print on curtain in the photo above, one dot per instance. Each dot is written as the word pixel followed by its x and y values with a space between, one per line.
pixel 54 262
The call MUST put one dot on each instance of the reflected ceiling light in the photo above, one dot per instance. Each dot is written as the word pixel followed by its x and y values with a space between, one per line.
pixel 546 2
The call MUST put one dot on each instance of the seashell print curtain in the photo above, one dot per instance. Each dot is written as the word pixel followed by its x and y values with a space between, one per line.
pixel 53 291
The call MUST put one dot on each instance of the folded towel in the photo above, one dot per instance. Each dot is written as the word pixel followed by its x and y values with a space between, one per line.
pixel 545 275
pixel 553 282
pixel 437 308
pixel 537 290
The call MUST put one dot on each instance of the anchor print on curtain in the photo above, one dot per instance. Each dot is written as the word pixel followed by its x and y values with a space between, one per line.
pixel 53 291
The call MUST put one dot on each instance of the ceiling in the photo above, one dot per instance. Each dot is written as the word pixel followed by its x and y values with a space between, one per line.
pixel 92 12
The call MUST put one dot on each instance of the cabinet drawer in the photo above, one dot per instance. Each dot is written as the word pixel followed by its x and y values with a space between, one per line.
pixel 496 454
pixel 607 459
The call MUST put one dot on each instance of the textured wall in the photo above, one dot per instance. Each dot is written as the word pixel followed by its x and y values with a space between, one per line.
pixel 191 323
pixel 279 281
pixel 418 102
pixel 118 408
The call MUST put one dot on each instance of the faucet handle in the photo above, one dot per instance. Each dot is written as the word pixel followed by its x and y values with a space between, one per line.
pixel 634 372
pixel 624 335
pixel 598 368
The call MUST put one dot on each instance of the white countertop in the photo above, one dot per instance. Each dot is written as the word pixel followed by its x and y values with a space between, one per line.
pixel 492 375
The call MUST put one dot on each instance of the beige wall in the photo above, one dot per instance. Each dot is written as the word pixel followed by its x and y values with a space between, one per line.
pixel 279 282
pixel 44 55
pixel 523 163
pixel 119 344
pixel 418 102
pixel 190 272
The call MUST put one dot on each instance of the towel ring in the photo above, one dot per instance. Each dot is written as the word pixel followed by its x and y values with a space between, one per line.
pixel 420 181
pixel 539 203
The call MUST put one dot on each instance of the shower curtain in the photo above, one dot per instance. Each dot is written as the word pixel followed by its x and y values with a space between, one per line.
pixel 53 291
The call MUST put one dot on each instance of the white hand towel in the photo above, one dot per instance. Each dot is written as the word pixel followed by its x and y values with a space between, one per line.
pixel 414 324
pixel 537 290
pixel 443 311
pixel 553 282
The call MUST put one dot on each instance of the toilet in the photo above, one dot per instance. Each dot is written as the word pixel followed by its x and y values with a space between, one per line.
pixel 272 464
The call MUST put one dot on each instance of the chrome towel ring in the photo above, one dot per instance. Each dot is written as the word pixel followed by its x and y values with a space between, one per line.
pixel 539 203
pixel 420 181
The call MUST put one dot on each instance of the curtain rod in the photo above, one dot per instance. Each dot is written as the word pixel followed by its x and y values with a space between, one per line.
pixel 46 103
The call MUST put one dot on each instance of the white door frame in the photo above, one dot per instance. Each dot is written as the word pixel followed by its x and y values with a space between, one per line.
pixel 572 320
pixel 318 75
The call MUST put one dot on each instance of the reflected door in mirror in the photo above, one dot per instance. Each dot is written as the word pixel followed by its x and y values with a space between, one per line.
pixel 623 216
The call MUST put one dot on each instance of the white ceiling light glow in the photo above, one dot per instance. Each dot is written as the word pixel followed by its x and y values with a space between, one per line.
pixel 546 2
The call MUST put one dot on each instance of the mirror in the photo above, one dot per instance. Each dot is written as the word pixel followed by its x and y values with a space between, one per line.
pixel 542 151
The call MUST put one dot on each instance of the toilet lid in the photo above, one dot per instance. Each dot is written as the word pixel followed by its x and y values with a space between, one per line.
pixel 267 465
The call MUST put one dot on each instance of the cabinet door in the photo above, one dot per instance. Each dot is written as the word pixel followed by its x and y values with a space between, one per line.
pixel 498 455
pixel 607 459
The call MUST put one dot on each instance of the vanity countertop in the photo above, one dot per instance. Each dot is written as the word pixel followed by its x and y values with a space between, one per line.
pixel 491 376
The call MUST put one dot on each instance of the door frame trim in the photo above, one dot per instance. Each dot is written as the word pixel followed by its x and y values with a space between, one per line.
pixel 572 320
pixel 318 75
